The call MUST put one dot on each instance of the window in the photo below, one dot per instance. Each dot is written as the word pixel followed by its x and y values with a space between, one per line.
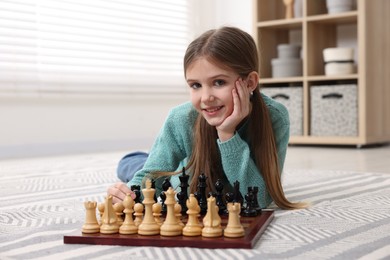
pixel 115 46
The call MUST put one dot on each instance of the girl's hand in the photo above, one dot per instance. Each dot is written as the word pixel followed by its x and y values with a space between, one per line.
pixel 118 191
pixel 241 109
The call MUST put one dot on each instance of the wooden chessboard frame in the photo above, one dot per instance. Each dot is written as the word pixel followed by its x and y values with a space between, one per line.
pixel 254 228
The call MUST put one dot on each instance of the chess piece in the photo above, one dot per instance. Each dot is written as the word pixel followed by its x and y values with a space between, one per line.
pixel 128 227
pixel 289 4
pixel 237 196
pixel 177 210
pixel 91 224
pixel 201 193
pixel 182 196
pixel 212 221
pixel 250 210
pixel 154 187
pixel 193 226
pixel 234 227
pixel 137 191
pixel 170 226
pixel 138 213
pixel 109 222
pixel 165 186
pixel 148 225
pixel 101 211
pixel 256 205
pixel 219 197
pixel 157 213
pixel 118 208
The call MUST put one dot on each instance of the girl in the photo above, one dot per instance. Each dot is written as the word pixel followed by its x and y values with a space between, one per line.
pixel 229 130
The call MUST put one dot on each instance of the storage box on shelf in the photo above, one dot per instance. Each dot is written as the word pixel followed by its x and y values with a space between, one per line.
pixel 291 98
pixel 333 110
pixel 316 30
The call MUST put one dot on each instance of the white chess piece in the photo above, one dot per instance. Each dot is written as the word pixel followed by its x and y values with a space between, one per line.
pixel 128 227
pixel 212 220
pixel 91 224
pixel 148 225
pixel 193 226
pixel 170 226
pixel 234 227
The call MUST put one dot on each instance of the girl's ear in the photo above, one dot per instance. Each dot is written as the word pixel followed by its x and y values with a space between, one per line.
pixel 253 80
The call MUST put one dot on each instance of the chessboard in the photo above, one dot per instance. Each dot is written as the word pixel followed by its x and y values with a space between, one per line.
pixel 253 226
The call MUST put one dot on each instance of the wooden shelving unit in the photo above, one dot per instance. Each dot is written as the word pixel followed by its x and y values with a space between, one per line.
pixel 317 30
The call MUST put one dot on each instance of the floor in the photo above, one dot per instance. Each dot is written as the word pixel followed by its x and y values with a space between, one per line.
pixel 367 159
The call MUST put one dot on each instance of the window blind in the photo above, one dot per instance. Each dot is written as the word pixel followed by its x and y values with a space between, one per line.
pixel 111 46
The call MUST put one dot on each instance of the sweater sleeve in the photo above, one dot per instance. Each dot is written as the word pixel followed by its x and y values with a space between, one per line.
pixel 238 164
pixel 170 146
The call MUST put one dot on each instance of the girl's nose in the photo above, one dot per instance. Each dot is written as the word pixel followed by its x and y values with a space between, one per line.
pixel 207 95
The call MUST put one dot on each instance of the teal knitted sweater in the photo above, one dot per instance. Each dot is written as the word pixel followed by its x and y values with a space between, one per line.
pixel 173 146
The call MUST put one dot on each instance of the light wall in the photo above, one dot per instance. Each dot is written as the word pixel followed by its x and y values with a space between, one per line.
pixel 36 124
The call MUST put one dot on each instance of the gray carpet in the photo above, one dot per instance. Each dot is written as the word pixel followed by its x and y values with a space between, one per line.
pixel 42 200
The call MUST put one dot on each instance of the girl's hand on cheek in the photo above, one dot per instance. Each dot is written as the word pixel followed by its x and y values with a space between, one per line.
pixel 241 109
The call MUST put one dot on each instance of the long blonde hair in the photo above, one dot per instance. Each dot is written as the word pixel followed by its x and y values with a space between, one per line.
pixel 235 49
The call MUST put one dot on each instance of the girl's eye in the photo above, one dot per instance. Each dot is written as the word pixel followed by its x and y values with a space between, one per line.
pixel 195 85
pixel 219 82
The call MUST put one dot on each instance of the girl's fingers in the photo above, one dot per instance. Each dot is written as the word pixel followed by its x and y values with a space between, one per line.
pixel 119 191
pixel 244 95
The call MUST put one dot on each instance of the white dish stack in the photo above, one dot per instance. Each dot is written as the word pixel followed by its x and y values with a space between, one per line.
pixel 338 61
pixel 288 63
pixel 339 6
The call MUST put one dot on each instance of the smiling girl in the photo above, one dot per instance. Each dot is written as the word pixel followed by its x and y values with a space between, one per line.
pixel 229 130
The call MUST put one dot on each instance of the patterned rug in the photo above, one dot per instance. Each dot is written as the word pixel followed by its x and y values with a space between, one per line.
pixel 42 200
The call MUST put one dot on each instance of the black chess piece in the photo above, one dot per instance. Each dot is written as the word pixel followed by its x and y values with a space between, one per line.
pixel 137 191
pixel 182 196
pixel 250 209
pixel 219 197
pixel 256 205
pixel 237 196
pixel 154 187
pixel 200 194
pixel 165 186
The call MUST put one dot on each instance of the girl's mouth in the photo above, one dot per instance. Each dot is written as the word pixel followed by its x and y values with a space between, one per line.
pixel 213 109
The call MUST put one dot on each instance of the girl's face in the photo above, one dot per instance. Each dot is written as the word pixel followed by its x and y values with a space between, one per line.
pixel 211 90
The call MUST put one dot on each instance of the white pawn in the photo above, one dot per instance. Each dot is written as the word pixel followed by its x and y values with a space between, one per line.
pixel 157 213
pixel 193 226
pixel 177 209
pixel 138 213
pixel 101 211
pixel 118 208
pixel 91 224
pixel 128 227
pixel 234 227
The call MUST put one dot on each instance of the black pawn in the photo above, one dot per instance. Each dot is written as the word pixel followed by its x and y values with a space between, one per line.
pixel 255 191
pixel 219 197
pixel 200 194
pixel 165 186
pixel 237 196
pixel 182 196
pixel 137 191
pixel 250 210
pixel 154 187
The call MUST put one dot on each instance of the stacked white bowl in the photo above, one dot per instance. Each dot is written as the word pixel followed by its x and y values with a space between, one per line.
pixel 338 61
pixel 288 63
